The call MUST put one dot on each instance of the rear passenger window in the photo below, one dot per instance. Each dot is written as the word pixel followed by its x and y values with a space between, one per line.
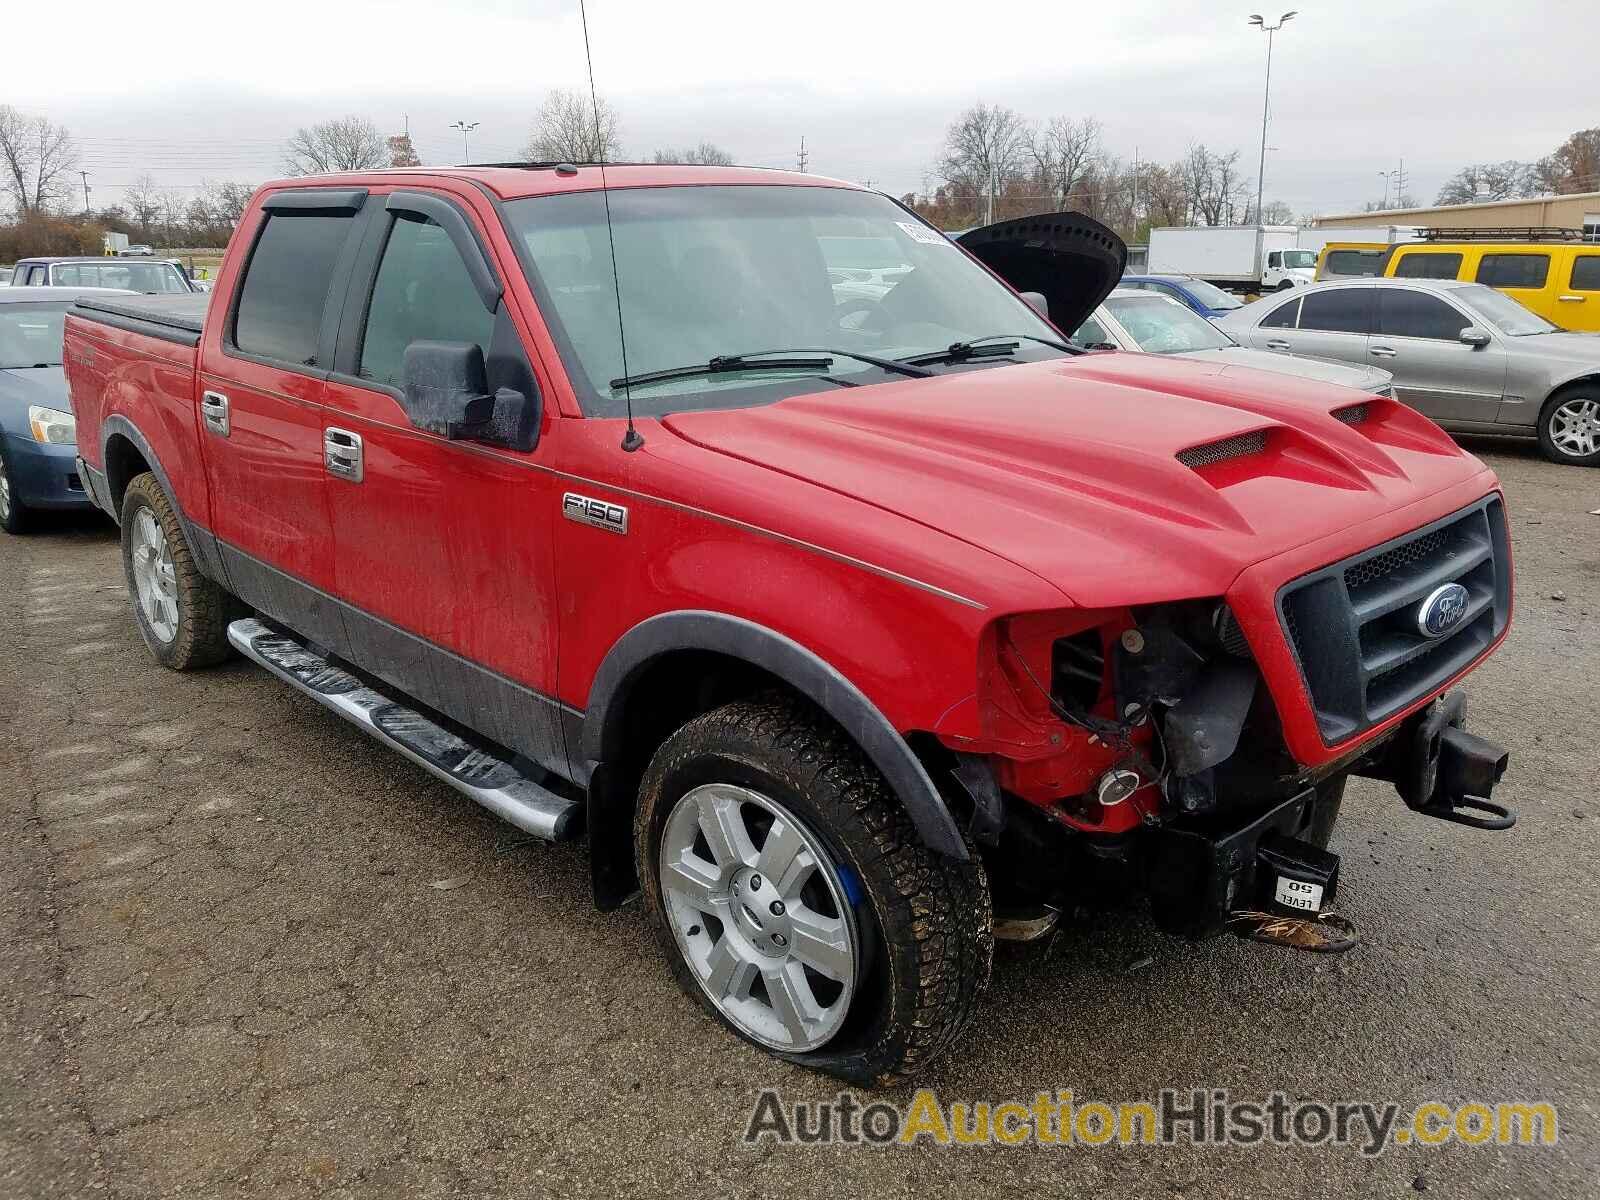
pixel 422 293
pixel 1428 266
pixel 1344 310
pixel 71 275
pixel 1354 262
pixel 286 286
pixel 1586 273
pixel 1514 270
pixel 1282 317
pixel 1405 313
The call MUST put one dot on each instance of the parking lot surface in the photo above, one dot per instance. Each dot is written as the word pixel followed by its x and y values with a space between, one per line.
pixel 248 952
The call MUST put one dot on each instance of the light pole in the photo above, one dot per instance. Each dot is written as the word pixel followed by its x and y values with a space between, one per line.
pixel 1266 99
pixel 466 128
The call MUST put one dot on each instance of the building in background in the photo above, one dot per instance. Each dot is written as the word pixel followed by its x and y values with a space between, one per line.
pixel 1580 209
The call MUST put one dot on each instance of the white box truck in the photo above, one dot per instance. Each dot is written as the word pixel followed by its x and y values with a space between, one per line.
pixel 1240 258
pixel 114 243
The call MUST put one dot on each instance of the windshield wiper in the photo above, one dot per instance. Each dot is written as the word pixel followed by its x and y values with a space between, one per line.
pixel 761 360
pixel 989 346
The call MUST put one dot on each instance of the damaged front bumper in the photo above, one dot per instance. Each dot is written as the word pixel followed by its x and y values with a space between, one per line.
pixel 1201 874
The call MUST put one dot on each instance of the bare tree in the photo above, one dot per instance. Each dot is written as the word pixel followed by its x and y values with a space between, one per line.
pixel 143 198
pixel 1064 153
pixel 1508 180
pixel 983 149
pixel 37 160
pixel 227 201
pixel 1574 166
pixel 569 129
pixel 346 144
pixel 706 154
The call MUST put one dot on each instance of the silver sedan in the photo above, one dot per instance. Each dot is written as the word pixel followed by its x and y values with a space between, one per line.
pixel 1472 358
pixel 1133 319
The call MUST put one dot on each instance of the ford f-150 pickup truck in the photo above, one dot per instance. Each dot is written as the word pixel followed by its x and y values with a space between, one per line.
pixel 851 633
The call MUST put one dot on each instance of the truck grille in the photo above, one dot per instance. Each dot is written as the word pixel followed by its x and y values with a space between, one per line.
pixel 1353 625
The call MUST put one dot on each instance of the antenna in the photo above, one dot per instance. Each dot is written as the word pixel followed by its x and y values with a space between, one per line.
pixel 631 440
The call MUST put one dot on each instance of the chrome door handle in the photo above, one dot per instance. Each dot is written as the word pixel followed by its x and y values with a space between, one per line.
pixel 214 410
pixel 1275 344
pixel 1382 352
pixel 1571 299
pixel 342 454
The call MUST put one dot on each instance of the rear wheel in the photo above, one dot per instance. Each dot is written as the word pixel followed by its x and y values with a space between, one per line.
pixel 794 899
pixel 182 615
pixel 1569 427
pixel 13 516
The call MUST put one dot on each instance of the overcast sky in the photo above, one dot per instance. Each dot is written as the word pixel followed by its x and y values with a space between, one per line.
pixel 209 90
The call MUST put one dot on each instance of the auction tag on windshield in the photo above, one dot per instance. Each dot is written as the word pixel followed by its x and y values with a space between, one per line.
pixel 1297 893
pixel 921 233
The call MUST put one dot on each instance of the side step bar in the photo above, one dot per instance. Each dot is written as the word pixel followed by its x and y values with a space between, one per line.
pixel 472 770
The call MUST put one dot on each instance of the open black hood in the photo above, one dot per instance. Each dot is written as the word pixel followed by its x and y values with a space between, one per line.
pixel 1073 260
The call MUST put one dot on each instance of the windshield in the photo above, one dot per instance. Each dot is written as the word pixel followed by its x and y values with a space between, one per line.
pixel 1210 294
pixel 1501 311
pixel 30 335
pixel 1299 258
pixel 1162 326
pixel 720 271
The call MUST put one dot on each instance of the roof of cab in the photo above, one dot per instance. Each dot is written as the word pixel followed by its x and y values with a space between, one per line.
pixel 512 181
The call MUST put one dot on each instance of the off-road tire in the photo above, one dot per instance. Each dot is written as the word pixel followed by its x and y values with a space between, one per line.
pixel 15 519
pixel 926 919
pixel 204 608
pixel 1547 444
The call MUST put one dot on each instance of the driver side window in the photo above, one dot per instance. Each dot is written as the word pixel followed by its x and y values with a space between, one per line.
pixel 422 293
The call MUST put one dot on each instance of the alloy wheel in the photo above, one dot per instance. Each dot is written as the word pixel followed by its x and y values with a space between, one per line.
pixel 5 493
pixel 761 914
pixel 1575 427
pixel 154 579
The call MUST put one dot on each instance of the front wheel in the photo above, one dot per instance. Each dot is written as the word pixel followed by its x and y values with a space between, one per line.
pixel 794 899
pixel 1569 428
pixel 13 516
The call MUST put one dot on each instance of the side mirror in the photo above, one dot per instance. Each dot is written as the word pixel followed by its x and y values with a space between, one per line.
pixel 446 391
pixel 1475 336
pixel 1037 302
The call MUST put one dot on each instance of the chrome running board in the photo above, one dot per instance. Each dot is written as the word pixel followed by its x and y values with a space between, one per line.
pixel 473 771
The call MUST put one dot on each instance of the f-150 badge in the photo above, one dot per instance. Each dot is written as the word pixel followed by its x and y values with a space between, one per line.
pixel 599 513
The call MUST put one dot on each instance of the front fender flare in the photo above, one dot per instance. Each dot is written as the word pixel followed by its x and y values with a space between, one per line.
pixel 806 672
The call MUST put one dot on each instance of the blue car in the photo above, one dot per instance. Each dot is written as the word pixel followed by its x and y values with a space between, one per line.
pixel 38 437
pixel 1204 298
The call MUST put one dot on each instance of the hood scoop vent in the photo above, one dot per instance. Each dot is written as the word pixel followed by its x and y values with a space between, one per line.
pixel 1354 414
pixel 1238 446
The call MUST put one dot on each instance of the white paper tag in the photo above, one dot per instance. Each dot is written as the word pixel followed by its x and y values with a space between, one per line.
pixel 921 233
pixel 1296 893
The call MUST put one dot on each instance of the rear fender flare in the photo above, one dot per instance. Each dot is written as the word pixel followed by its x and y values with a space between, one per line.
pixel 800 668
pixel 207 557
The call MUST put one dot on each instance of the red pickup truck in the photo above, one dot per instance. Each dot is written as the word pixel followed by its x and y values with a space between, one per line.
pixel 749 526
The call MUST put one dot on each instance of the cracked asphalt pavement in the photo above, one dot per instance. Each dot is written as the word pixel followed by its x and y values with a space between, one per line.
pixel 227 971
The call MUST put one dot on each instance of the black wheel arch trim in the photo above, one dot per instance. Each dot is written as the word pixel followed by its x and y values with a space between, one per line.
pixel 802 669
pixel 207 555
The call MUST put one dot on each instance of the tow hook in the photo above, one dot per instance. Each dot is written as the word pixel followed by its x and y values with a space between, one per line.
pixel 1441 770
pixel 1295 881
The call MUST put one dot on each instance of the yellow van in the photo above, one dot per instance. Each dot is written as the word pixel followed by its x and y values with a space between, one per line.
pixel 1351 260
pixel 1559 280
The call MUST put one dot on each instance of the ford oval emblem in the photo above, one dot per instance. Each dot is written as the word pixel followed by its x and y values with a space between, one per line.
pixel 1442 611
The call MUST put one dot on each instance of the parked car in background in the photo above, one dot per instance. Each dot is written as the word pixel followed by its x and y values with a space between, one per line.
pixel 1464 354
pixel 139 250
pixel 5 276
pixel 1204 298
pixel 155 278
pixel 1558 279
pixel 1135 320
pixel 38 436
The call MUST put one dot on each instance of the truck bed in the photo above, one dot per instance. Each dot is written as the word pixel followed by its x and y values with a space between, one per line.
pixel 177 319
